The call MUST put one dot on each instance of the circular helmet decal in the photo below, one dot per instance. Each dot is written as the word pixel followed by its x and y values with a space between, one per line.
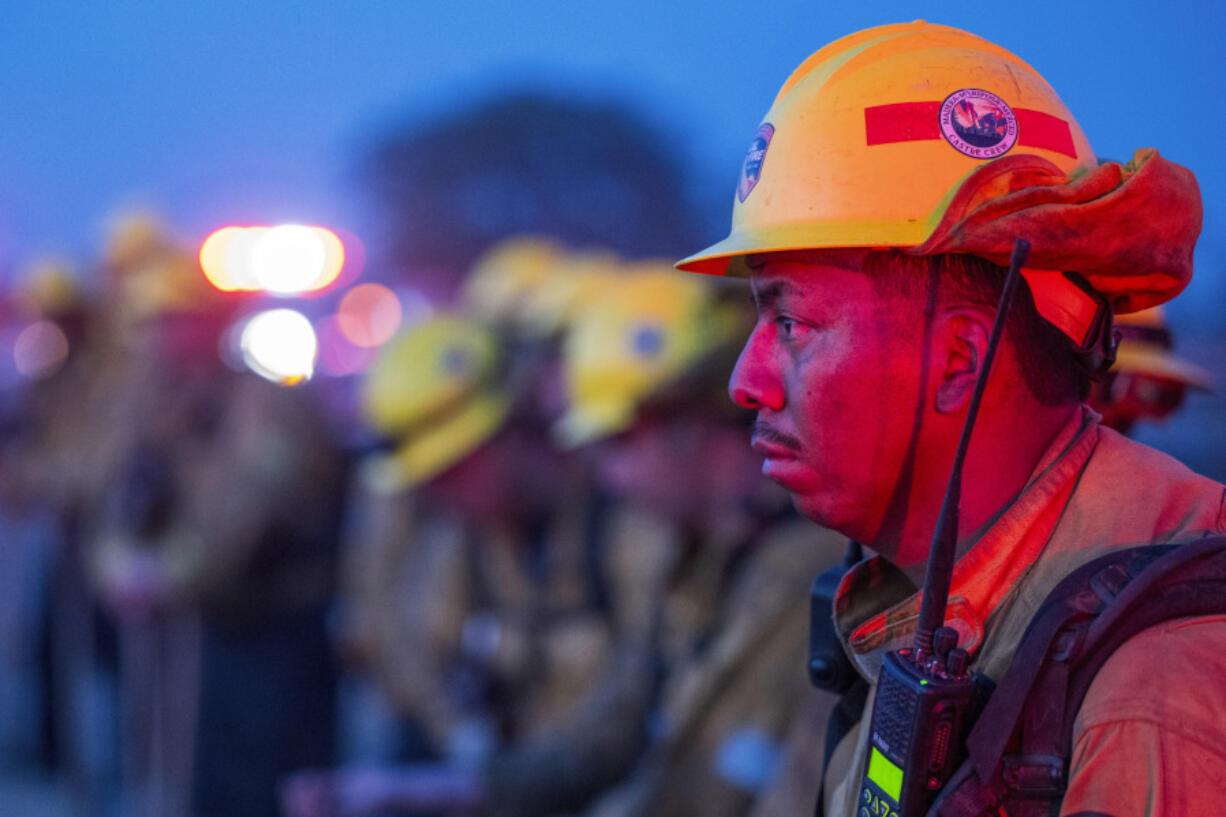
pixel 978 123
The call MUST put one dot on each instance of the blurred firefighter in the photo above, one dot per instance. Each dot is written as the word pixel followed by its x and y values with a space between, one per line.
pixel 44 321
pixel 530 288
pixel 475 613
pixel 213 548
pixel 513 302
pixel 710 567
pixel 876 293
pixel 70 460
pixel 700 575
pixel 1148 381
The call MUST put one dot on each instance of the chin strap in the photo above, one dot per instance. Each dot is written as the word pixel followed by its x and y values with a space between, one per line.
pixel 1068 302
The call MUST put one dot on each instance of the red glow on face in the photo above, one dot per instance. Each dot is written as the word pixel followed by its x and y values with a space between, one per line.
pixel 835 387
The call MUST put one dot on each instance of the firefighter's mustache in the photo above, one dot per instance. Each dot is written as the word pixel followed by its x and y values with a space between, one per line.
pixel 762 431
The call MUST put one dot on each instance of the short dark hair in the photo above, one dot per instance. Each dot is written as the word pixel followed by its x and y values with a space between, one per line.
pixel 1044 354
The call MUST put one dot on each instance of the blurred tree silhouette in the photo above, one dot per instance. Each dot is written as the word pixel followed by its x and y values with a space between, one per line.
pixel 586 173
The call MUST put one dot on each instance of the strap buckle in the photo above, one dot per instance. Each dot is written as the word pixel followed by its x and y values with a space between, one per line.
pixel 1034 777
pixel 1098 347
pixel 1068 302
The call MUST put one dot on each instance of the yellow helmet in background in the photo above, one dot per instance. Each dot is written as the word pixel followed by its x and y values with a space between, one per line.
pixel 151 274
pixel 505 275
pixel 435 388
pixel 49 287
pixel 1146 349
pixel 549 307
pixel 531 285
pixel 173 282
pixel 133 237
pixel 631 338
pixel 869 139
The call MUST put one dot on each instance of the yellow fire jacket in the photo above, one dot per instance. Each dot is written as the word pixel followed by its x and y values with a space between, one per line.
pixel 1148 738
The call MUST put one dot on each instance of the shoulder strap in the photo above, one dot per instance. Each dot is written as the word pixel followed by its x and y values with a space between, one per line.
pixel 830 670
pixel 1020 746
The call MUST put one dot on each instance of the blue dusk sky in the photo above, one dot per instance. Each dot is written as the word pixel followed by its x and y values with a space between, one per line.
pixel 260 112
pixel 226 111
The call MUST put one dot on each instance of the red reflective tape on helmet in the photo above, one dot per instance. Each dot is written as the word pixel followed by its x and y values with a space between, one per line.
pixel 1042 130
pixel 902 122
pixel 920 121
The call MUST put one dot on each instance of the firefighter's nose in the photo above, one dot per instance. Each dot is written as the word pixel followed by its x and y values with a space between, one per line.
pixel 755 384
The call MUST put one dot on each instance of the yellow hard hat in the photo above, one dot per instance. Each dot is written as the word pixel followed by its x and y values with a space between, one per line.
pixel 151 273
pixel 1146 348
pixel 932 140
pixel 435 388
pixel 132 238
pixel 549 307
pixel 504 276
pixel 870 137
pixel 168 281
pixel 632 337
pixel 49 287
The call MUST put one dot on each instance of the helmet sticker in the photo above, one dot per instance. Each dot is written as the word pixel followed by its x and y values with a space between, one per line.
pixel 646 341
pixel 457 362
pixel 918 122
pixel 751 168
pixel 978 123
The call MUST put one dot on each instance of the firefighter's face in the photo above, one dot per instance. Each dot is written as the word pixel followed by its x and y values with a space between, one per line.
pixel 678 464
pixel 835 382
pixel 515 474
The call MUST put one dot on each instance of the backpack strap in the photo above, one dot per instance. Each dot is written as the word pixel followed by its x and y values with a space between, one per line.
pixel 1019 749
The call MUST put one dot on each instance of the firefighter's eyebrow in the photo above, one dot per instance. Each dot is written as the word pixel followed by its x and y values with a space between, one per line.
pixel 768 294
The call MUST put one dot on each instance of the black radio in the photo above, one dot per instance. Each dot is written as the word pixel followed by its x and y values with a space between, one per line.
pixel 921 715
pixel 926 699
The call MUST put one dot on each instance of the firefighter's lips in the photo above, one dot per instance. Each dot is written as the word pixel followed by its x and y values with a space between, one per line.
pixel 783 455
pixel 780 462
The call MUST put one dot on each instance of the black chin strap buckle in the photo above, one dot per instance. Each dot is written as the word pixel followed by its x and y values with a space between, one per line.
pixel 1096 353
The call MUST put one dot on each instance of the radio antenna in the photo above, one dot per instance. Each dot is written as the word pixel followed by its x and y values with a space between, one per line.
pixel 945 538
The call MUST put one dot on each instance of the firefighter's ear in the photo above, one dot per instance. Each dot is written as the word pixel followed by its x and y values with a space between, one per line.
pixel 962 340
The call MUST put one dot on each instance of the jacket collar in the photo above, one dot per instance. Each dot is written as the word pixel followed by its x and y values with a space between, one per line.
pixel 876 606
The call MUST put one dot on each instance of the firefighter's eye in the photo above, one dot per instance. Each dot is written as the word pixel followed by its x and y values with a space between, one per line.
pixel 787 326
